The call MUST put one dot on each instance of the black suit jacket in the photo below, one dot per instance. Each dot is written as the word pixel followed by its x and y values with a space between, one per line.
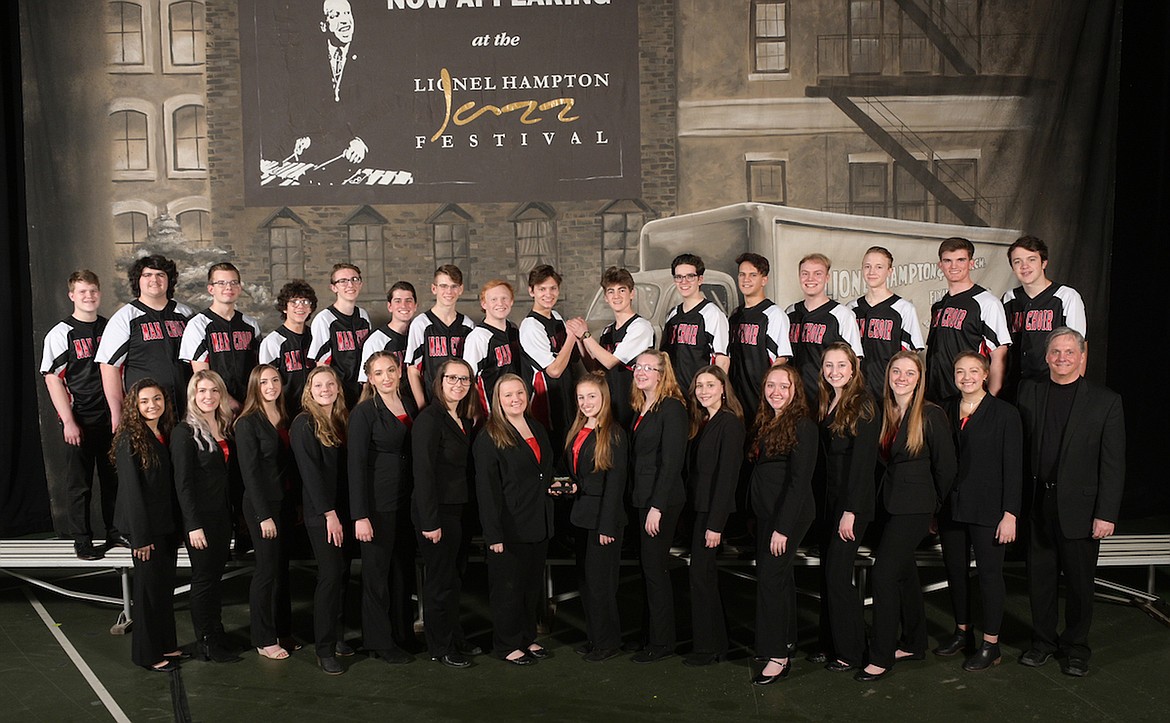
pixel 917 484
pixel 851 468
pixel 599 504
pixel 322 472
pixel 441 456
pixel 379 459
pixel 1091 465
pixel 781 485
pixel 658 447
pixel 145 507
pixel 512 487
pixel 714 459
pixel 201 480
pixel 991 463
pixel 265 464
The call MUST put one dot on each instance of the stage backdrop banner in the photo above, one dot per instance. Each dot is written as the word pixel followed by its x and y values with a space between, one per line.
pixel 409 101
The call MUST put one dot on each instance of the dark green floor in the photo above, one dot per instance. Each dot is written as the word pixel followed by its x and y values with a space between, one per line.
pixel 38 682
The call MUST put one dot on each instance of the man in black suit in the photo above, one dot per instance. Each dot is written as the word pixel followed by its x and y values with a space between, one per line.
pixel 1075 436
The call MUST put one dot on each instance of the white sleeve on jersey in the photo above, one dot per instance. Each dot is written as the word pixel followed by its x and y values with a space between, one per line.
pixel 639 337
pixel 534 341
pixel 790 308
pixel 415 336
pixel 320 347
pixel 1008 296
pixel 183 309
pixel 994 320
pixel 376 341
pixel 910 323
pixel 716 323
pixel 1074 310
pixel 116 338
pixel 252 322
pixel 670 314
pixel 270 347
pixel 778 331
pixel 194 347
pixel 56 349
pixel 847 326
pixel 475 348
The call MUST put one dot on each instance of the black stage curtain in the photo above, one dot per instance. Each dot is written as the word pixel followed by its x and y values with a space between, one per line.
pixel 24 496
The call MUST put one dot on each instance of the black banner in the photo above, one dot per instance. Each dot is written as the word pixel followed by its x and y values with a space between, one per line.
pixel 404 101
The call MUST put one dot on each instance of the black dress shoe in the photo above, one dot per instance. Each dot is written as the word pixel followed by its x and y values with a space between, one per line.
pixel 1076 667
pixel 394 656
pixel 454 660
pixel 169 667
pixel 86 551
pixel 863 677
pixel 651 655
pixel 817 657
pixel 701 660
pixel 540 653
pixel 330 665
pixel 1034 658
pixel 838 666
pixel 117 539
pixel 959 641
pixel 343 649
pixel 599 655
pixel 987 656
pixel 526 659
pixel 762 679
pixel 215 649
pixel 584 648
pixel 466 648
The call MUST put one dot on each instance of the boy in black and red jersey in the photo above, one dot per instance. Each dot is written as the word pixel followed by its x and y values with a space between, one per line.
pixel 695 332
pixel 287 348
pixel 222 338
pixel 817 321
pixel 401 302
pixel 340 330
pixel 758 335
pixel 74 381
pixel 142 339
pixel 1034 309
pixel 887 322
pixel 967 318
pixel 493 346
pixel 550 355
pixel 438 334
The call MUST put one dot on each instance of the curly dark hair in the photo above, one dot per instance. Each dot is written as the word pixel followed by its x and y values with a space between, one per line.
pixel 776 431
pixel 133 430
pixel 295 289
pixel 157 262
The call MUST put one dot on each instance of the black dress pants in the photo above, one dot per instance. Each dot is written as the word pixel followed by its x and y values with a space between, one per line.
pixel 377 568
pixel 658 612
pixel 897 592
pixel 842 601
pixel 153 606
pixel 207 567
pixel 958 538
pixel 516 594
pixel 443 583
pixel 708 621
pixel 1050 553
pixel 328 597
pixel 775 595
pixel 600 567
pixel 80 461
pixel 269 604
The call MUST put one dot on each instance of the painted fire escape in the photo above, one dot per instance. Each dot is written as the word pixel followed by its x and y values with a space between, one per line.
pixel 939 53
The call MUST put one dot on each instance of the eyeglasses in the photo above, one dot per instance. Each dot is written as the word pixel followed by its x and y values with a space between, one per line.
pixel 300 302
pixel 233 284
pixel 346 282
pixel 456 379
pixel 686 277
pixel 447 287
pixel 646 368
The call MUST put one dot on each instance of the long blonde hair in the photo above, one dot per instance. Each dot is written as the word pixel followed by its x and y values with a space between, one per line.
pixel 603 445
pixel 368 390
pixel 498 427
pixel 328 424
pixel 200 429
pixel 667 383
pixel 913 421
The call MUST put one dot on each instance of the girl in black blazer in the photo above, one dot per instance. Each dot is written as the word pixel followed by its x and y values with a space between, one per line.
pixel 200 452
pixel 657 491
pixel 919 456
pixel 379 486
pixel 982 508
pixel 784 448
pixel 714 457
pixel 596 454
pixel 513 474
pixel 145 513
pixel 849 428
pixel 441 446
pixel 318 440
pixel 268 471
